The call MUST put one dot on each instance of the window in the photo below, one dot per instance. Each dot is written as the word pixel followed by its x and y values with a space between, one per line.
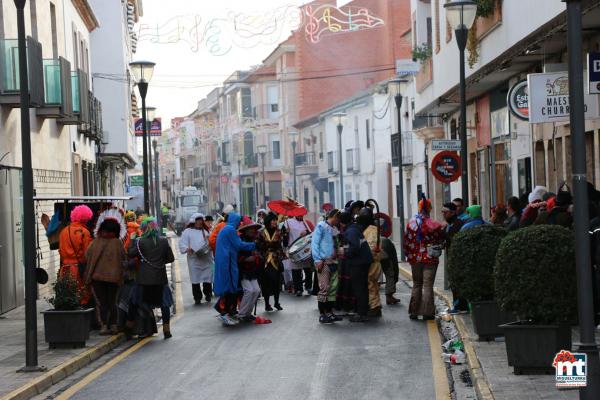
pixel 429 32
pixel 349 160
pixel 54 33
pixel 75 51
pixel 276 150
pixel 368 133
pixel 247 103
pixel 273 101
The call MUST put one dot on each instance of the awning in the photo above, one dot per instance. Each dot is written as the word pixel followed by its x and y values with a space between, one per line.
pixel 82 198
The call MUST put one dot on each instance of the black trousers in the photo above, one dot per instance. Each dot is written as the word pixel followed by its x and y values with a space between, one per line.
pixel 206 288
pixel 105 295
pixel 360 287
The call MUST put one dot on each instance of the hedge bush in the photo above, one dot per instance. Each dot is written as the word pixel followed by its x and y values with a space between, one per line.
pixel 535 274
pixel 472 256
pixel 67 295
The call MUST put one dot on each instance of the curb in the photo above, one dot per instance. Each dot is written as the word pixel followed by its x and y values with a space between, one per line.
pixel 44 382
pixel 480 383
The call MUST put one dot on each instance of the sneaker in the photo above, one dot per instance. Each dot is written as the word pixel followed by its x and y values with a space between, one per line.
pixel 235 319
pixel 247 318
pixel 336 318
pixel 225 320
pixel 326 319
pixel 268 307
pixel 359 318
pixel 278 307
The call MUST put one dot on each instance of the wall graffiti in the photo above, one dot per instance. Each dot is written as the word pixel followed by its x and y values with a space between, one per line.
pixel 220 35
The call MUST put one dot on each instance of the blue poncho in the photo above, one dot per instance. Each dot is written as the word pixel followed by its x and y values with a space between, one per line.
pixel 226 256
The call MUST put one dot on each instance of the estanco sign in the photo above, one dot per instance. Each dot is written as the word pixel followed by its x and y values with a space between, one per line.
pixel 549 98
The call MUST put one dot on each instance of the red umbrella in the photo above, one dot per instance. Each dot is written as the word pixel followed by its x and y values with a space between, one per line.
pixel 288 207
pixel 386 224
pixel 327 207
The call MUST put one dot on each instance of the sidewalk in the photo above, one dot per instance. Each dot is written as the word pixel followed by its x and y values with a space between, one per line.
pixel 59 363
pixel 492 377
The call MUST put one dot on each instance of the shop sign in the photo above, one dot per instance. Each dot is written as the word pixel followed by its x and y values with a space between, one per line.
pixel 594 73
pixel 136 180
pixel 155 127
pixel 518 100
pixel 549 98
pixel 446 167
pixel 407 66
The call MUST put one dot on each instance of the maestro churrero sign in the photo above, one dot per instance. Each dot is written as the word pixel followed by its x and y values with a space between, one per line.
pixel 549 98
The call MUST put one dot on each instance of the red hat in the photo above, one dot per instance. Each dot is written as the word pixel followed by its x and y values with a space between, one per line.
pixel 247 223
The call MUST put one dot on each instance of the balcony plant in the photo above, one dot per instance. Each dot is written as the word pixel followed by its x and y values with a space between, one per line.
pixel 422 52
pixel 485 9
pixel 68 323
pixel 472 256
pixel 535 278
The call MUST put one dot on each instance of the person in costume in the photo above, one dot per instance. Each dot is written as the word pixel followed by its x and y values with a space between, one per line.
pixel 226 268
pixel 421 237
pixel 269 243
pixel 74 241
pixel 324 254
pixel 133 228
pixel 345 299
pixel 296 228
pixel 365 218
pixel 249 263
pixel 212 239
pixel 152 288
pixel 106 260
pixel 194 242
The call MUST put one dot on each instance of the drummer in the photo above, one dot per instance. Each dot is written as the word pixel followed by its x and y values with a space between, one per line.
pixel 296 228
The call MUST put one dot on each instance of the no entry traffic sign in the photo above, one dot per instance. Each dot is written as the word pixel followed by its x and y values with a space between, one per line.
pixel 445 166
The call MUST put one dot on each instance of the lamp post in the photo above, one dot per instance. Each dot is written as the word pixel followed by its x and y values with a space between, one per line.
pixel 585 302
pixel 293 136
pixel 159 216
pixel 142 73
pixel 262 150
pixel 31 353
pixel 397 82
pixel 340 119
pixel 240 200
pixel 150 113
pixel 461 15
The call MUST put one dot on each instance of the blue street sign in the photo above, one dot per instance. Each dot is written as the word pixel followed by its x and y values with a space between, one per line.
pixel 594 73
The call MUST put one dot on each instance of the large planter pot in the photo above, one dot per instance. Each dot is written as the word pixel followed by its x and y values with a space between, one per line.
pixel 530 348
pixel 487 316
pixel 67 328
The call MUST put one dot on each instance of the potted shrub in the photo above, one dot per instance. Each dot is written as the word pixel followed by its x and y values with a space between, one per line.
pixel 68 323
pixel 535 278
pixel 472 256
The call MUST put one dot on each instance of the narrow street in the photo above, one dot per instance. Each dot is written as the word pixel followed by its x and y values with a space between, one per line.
pixel 294 357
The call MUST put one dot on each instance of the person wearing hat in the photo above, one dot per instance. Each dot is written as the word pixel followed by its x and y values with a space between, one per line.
pixel 324 254
pixel 105 272
pixel 194 243
pixel 226 277
pixel 452 227
pixel 212 239
pixel 423 238
pixel 475 218
pixel 366 219
pixel 73 243
pixel 269 244
pixel 536 201
pixel 557 213
pixel 249 263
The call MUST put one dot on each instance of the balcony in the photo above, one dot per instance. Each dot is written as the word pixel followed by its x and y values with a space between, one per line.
pixel 250 161
pixel 428 127
pixel 332 162
pixel 91 128
pixel 353 161
pixel 58 102
pixel 424 77
pixel 407 149
pixel 306 163
pixel 9 72
pixel 265 114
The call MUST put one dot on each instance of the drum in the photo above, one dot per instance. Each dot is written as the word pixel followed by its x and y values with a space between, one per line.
pixel 299 251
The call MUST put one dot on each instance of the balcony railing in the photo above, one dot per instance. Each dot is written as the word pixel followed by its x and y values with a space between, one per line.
pixel 58 99
pixel 250 160
pixel 332 162
pixel 353 161
pixel 407 149
pixel 9 72
pixel 306 159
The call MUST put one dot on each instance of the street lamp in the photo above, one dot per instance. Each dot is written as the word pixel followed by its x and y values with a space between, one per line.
pixel 142 73
pixel 240 200
pixel 262 150
pixel 397 82
pixel 159 216
pixel 293 136
pixel 585 302
pixel 150 113
pixel 340 119
pixel 29 263
pixel 461 15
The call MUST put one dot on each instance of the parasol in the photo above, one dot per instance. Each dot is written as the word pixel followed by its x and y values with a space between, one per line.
pixel 289 207
pixel 327 207
pixel 386 224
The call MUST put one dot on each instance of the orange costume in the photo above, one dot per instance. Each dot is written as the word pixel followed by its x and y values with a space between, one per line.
pixel 212 239
pixel 132 227
pixel 73 243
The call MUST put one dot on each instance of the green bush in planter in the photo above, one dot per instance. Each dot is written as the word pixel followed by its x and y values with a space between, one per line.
pixel 472 256
pixel 535 275
pixel 67 295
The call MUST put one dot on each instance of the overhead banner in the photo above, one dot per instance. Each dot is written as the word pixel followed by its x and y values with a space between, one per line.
pixel 549 98
pixel 155 127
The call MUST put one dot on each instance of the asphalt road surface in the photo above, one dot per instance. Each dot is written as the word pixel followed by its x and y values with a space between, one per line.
pixel 293 358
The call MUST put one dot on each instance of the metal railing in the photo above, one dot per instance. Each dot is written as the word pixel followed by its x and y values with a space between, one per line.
pixel 332 162
pixel 306 159
pixel 353 160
